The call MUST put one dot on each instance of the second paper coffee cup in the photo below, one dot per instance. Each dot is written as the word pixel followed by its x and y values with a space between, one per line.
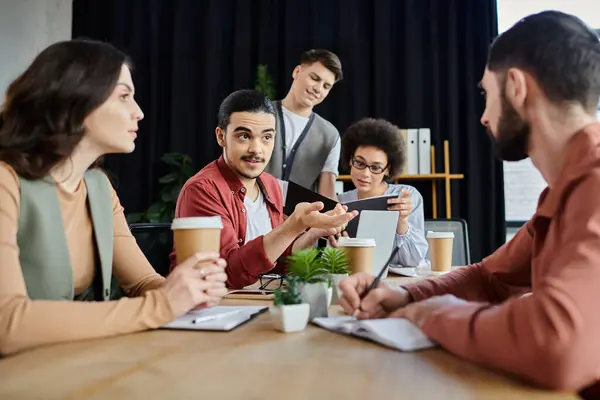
pixel 440 250
pixel 360 253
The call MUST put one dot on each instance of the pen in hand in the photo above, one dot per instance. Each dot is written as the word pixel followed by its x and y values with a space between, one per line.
pixel 376 280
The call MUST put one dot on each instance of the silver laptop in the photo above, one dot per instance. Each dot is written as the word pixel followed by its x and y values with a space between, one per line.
pixel 381 226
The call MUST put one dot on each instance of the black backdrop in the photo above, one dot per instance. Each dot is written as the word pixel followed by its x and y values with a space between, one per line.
pixel 414 62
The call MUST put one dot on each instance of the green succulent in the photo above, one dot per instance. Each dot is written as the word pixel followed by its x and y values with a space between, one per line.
pixel 290 295
pixel 308 266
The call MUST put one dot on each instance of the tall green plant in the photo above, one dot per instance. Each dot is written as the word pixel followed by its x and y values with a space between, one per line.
pixel 263 82
pixel 335 260
pixel 307 266
pixel 163 210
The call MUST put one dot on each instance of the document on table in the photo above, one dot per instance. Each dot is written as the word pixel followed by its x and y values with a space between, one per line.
pixel 220 318
pixel 397 333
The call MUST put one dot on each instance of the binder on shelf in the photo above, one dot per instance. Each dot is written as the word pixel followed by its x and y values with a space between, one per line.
pixel 424 147
pixel 404 134
pixel 412 152
pixel 339 187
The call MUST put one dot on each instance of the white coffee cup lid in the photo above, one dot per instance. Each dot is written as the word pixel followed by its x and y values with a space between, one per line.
pixel 440 235
pixel 356 242
pixel 197 223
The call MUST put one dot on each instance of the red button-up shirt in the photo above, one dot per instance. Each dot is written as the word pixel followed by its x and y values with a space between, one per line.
pixel 552 336
pixel 216 190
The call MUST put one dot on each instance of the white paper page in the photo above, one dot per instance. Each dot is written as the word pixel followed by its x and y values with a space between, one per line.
pixel 340 324
pixel 397 333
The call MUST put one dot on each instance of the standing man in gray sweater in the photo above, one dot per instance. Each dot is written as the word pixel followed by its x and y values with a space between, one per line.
pixel 307 146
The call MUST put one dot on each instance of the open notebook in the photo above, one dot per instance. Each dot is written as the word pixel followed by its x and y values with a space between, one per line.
pixel 397 333
pixel 220 318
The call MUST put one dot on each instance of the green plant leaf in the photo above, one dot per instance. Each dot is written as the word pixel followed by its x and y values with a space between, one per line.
pixel 181 170
pixel 335 260
pixel 186 172
pixel 135 218
pixel 307 266
pixel 169 213
pixel 169 194
pixel 154 211
pixel 172 177
pixel 278 299
pixel 173 159
pixel 291 294
pixel 263 82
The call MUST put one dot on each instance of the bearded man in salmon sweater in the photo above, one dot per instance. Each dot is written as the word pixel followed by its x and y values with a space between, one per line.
pixel 542 85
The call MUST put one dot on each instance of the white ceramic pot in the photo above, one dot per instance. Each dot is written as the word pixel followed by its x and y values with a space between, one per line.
pixel 318 295
pixel 290 318
pixel 335 282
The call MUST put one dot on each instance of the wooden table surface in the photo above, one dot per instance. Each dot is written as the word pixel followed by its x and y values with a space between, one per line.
pixel 251 362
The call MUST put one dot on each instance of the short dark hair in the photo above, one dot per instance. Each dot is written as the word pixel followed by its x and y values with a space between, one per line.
pixel 327 58
pixel 378 133
pixel 45 107
pixel 559 50
pixel 245 100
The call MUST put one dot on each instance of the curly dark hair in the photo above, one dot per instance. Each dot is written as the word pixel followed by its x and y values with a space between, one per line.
pixel 41 121
pixel 378 133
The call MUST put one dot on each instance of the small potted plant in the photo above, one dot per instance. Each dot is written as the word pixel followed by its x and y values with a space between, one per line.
pixel 314 284
pixel 288 313
pixel 336 261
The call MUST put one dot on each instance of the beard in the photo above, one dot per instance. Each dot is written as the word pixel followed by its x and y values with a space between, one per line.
pixel 511 142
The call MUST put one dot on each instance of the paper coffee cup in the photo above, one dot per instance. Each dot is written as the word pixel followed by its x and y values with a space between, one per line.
pixel 440 250
pixel 360 253
pixel 196 234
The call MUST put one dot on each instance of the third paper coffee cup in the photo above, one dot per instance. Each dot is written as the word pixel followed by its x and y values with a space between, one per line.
pixel 440 250
pixel 360 253
pixel 196 234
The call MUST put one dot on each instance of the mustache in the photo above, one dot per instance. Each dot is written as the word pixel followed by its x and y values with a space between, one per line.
pixel 253 159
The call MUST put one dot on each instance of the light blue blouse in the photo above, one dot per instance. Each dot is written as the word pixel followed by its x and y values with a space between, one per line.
pixel 413 244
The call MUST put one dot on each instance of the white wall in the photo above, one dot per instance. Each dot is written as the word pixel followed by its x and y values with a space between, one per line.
pixel 511 11
pixel 26 28
pixel 522 182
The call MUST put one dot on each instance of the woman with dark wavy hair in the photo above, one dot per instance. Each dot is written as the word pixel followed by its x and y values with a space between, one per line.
pixel 63 233
pixel 374 150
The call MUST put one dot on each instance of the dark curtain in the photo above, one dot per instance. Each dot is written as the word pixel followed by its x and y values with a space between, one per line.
pixel 414 62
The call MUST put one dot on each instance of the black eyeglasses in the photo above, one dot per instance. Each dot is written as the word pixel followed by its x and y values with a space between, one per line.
pixel 376 169
pixel 270 281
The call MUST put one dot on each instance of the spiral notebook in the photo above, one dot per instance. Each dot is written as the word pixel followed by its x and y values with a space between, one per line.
pixel 396 333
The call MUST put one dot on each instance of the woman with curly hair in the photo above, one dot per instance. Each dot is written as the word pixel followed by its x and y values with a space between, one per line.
pixel 374 150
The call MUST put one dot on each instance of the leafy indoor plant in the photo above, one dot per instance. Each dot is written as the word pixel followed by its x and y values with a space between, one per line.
pixel 163 210
pixel 288 313
pixel 313 280
pixel 263 82
pixel 336 261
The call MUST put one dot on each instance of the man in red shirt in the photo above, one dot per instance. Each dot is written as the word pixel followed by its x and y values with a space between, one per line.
pixel 542 85
pixel 254 235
